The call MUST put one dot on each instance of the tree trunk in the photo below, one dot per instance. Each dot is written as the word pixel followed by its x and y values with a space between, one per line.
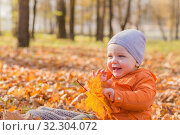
pixel 97 20
pixel 110 19
pixel 82 20
pixel 23 23
pixel 91 11
pixel 120 16
pixel 72 5
pixel 51 24
pixel 177 20
pixel 138 22
pixel 100 20
pixel 161 28
pixel 172 18
pixel 14 13
pixel 171 32
pixel 34 17
pixel 45 20
pixel 123 25
pixel 61 8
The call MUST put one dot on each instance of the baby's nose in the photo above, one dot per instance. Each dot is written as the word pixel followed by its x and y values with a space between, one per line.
pixel 114 60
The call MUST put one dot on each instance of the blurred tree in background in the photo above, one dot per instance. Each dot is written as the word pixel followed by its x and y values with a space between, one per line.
pixel 72 6
pixel 177 19
pixel 61 14
pixel 23 23
pixel 14 6
pixel 110 18
pixel 158 19
pixel 34 17
pixel 166 13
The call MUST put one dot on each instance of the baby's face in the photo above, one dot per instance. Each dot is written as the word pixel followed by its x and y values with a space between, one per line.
pixel 119 61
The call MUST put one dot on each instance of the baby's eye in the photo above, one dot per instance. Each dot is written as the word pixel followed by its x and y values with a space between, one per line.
pixel 109 56
pixel 121 56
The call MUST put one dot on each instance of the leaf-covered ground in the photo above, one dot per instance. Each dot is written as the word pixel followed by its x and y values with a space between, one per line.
pixel 46 76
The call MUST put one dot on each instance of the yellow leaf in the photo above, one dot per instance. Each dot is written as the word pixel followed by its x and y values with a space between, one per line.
pixel 12 109
pixel 178 102
pixel 96 101
pixel 31 77
pixel 99 105
pixel 59 13
pixel 57 85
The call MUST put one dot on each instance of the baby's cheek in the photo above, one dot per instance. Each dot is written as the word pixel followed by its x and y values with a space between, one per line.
pixel 109 66
pixel 125 64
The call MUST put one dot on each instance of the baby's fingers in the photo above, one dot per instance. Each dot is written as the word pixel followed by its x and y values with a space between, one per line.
pixel 95 74
pixel 111 97
pixel 99 71
pixel 108 93
pixel 103 75
pixel 104 72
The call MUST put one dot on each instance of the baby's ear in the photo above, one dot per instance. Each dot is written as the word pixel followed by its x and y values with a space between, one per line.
pixel 137 65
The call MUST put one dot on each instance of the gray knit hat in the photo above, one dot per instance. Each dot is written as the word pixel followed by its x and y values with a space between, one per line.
pixel 132 40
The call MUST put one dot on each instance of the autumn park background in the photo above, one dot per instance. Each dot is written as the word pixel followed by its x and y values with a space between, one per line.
pixel 46 45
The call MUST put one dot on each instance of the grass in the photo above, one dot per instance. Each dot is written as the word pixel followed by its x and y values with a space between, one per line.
pixel 164 47
pixel 7 40
pixel 51 40
pixel 48 40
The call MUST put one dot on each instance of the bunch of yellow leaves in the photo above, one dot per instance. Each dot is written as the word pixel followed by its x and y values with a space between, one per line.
pixel 96 100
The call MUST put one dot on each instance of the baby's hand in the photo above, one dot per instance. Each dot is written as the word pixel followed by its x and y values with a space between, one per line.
pixel 108 93
pixel 103 74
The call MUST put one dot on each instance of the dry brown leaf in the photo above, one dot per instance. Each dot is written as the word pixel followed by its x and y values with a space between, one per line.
pixel 15 115
pixel 46 75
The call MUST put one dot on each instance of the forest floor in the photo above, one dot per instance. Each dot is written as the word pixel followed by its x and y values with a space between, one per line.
pixel 45 74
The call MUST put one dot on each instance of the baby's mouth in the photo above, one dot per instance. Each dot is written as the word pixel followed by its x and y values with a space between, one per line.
pixel 116 68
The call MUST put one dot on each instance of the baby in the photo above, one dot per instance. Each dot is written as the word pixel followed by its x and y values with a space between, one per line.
pixel 130 90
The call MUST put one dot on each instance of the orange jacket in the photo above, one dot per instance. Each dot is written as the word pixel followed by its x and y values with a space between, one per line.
pixel 134 95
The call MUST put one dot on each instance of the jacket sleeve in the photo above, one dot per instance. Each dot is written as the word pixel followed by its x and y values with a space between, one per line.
pixel 141 98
